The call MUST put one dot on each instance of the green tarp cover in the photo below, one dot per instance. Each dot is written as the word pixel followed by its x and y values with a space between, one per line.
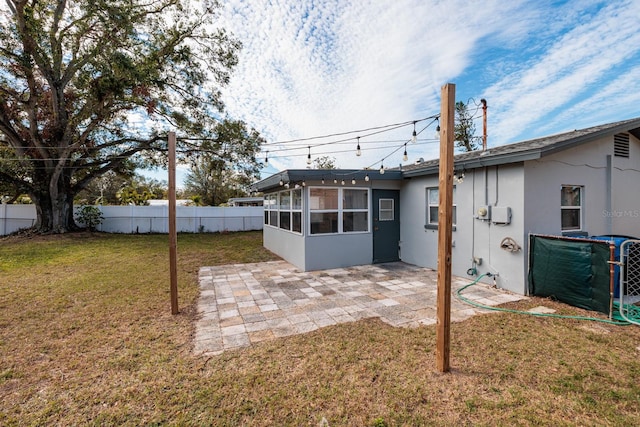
pixel 572 271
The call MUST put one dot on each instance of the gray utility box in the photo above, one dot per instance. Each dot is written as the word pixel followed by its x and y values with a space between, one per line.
pixel 501 215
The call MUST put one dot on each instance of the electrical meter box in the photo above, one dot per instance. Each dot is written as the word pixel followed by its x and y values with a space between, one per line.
pixel 484 212
pixel 501 215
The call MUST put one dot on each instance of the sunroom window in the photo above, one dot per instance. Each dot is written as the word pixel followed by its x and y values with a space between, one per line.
pixel 338 210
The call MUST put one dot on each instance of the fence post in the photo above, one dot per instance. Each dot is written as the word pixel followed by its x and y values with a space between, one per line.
pixel 3 216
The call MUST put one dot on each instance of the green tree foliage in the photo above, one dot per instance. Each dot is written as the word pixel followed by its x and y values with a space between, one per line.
pixel 90 216
pixel 324 162
pixel 140 190
pixel 465 128
pixel 225 166
pixel 120 189
pixel 92 86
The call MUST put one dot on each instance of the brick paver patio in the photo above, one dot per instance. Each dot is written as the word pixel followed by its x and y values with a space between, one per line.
pixel 243 304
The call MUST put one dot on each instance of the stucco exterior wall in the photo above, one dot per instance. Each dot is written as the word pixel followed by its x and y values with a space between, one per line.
pixel 614 210
pixel 625 207
pixel 338 250
pixel 289 246
pixel 472 237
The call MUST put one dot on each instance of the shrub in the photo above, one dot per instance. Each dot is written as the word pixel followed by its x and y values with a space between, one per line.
pixel 90 216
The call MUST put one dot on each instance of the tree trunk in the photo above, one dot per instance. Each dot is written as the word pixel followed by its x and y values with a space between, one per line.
pixel 54 206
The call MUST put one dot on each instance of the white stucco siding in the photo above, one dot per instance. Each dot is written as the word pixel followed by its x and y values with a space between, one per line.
pixel 584 166
pixel 625 207
pixel 287 245
pixel 472 237
pixel 338 250
pixel 417 245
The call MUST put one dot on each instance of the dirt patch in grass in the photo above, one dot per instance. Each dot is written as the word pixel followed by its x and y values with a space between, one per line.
pixel 87 338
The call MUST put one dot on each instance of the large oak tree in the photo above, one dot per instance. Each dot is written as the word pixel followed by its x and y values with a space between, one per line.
pixel 226 165
pixel 91 86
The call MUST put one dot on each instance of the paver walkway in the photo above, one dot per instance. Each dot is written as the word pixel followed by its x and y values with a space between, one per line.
pixel 243 304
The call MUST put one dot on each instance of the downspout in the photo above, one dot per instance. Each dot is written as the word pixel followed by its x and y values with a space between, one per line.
pixel 608 201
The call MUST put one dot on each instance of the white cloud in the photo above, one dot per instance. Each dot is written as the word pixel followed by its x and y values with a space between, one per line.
pixel 317 68
pixel 578 61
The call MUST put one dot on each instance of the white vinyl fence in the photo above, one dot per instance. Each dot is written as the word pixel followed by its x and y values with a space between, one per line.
pixel 149 219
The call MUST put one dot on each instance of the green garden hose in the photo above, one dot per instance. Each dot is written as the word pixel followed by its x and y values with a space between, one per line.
pixel 616 318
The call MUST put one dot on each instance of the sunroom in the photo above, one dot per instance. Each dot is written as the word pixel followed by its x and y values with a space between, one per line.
pixel 320 219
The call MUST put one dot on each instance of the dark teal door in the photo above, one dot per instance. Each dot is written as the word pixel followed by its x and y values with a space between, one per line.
pixel 386 225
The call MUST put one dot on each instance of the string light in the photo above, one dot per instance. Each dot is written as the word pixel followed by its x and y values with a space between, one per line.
pixel 353 181
pixel 414 135
pixel 309 156
pixel 304 183
pixel 342 182
pixel 366 177
pixel 358 151
pixel 266 157
pixel 322 180
pixel 281 182
pixel 381 169
pixel 405 157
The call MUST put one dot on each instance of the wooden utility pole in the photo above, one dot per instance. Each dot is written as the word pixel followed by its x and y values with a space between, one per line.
pixel 173 236
pixel 445 226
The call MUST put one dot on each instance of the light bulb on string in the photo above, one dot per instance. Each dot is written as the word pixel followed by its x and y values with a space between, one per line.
pixel 322 180
pixel 304 183
pixel 366 177
pixel 358 151
pixel 438 128
pixel 281 182
pixel 405 157
pixel 414 135
pixel 309 156
pixel 266 158
pixel 353 181
pixel 381 169
pixel 342 182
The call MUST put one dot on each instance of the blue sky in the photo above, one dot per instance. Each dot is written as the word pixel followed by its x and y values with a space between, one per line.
pixel 316 67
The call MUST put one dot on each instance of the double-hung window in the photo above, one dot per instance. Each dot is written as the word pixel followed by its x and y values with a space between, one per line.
pixel 323 210
pixel 355 210
pixel 271 209
pixel 338 210
pixel 571 208
pixel 433 203
pixel 284 210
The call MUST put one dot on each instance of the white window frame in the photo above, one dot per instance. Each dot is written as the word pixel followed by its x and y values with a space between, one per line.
pixel 340 211
pixel 572 208
pixel 345 210
pixel 434 225
pixel 381 209
pixel 272 204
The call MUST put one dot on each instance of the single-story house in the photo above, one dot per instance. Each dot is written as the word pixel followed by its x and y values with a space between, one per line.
pixel 583 182
pixel 245 201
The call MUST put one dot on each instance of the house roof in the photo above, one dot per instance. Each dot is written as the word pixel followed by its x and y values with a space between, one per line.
pixel 527 150
pixel 503 154
pixel 298 176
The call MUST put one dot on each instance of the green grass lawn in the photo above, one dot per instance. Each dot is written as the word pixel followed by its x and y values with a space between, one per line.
pixel 87 337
